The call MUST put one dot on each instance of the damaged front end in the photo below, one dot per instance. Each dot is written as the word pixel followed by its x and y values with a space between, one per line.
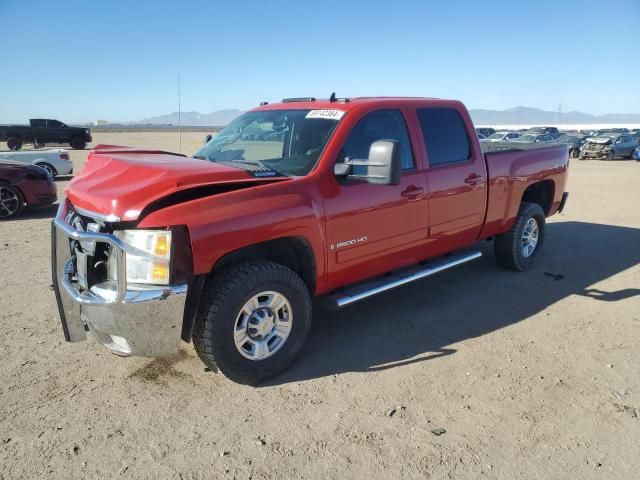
pixel 101 285
pixel 596 149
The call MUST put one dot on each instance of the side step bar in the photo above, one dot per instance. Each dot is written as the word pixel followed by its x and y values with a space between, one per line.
pixel 411 274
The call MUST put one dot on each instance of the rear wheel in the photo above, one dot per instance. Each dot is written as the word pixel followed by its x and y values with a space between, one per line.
pixel 517 248
pixel 11 201
pixel 253 320
pixel 50 170
pixel 78 143
pixel 14 143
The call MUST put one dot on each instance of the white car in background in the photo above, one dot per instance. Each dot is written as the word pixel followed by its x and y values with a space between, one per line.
pixel 503 136
pixel 54 161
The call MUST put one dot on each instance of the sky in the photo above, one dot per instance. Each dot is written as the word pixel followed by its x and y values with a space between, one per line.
pixel 79 61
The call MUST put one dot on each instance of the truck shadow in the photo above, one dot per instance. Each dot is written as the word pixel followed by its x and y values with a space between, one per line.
pixel 419 322
pixel 48 211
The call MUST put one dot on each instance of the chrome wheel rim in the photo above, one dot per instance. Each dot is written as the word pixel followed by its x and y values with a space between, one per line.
pixel 530 237
pixel 9 202
pixel 263 325
pixel 47 168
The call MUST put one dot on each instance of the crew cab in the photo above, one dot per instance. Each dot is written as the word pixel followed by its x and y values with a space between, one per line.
pixel 339 199
pixel 42 131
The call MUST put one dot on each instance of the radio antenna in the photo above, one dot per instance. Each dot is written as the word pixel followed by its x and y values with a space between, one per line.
pixel 179 118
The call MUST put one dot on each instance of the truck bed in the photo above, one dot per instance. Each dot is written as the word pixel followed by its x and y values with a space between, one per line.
pixel 511 169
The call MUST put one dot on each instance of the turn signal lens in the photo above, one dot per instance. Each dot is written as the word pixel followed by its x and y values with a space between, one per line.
pixel 148 255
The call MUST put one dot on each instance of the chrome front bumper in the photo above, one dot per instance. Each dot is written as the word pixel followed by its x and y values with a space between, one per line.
pixel 142 321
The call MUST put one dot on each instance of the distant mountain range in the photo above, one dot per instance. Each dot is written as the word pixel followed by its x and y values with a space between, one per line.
pixel 534 116
pixel 193 119
pixel 513 116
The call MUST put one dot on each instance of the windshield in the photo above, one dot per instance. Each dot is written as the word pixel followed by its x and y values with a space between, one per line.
pixel 568 139
pixel 527 138
pixel 288 142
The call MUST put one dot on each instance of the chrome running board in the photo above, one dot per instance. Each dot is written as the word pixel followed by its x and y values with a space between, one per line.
pixel 401 277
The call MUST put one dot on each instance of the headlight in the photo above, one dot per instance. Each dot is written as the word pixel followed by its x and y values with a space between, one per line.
pixel 148 256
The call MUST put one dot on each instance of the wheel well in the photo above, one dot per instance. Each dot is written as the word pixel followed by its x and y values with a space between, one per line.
pixel 294 253
pixel 540 193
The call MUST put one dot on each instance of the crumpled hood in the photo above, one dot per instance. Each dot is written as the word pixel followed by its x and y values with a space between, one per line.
pixel 119 182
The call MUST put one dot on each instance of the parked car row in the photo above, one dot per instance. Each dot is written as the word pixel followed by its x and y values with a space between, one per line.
pixel 24 186
pixel 603 144
pixel 26 179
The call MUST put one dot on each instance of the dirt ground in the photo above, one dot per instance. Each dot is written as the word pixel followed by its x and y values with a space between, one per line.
pixel 520 376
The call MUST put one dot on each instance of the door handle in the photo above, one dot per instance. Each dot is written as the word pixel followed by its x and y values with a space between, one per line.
pixel 472 179
pixel 412 192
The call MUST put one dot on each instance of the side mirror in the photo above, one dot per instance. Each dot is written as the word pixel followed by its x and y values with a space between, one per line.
pixel 383 164
pixel 207 138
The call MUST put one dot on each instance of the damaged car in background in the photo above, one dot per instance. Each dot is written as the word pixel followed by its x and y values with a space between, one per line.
pixel 608 146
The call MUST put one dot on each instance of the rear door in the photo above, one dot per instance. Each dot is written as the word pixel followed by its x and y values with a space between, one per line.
pixel 375 228
pixel 39 130
pixel 456 178
pixel 627 145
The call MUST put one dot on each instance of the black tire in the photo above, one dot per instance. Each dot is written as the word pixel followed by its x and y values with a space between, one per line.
pixel 49 168
pixel 611 155
pixel 14 143
pixel 5 207
pixel 38 144
pixel 575 153
pixel 78 143
pixel 508 246
pixel 224 295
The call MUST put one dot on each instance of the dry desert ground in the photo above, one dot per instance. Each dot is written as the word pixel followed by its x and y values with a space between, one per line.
pixel 522 375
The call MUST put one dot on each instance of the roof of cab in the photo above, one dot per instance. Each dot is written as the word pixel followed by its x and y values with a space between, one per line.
pixel 345 104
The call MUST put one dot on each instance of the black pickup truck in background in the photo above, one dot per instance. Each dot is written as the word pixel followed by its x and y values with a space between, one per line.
pixel 41 131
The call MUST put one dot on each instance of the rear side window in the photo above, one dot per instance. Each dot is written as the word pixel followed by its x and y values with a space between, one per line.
pixel 378 125
pixel 444 135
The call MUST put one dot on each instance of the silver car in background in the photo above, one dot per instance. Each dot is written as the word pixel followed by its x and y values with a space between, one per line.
pixel 54 161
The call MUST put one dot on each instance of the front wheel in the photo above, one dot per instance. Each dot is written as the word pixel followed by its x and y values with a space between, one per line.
pixel 517 248
pixel 253 321
pixel 11 201
pixel 575 153
pixel 611 155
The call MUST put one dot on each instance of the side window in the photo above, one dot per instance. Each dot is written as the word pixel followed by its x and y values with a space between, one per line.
pixel 38 123
pixel 379 125
pixel 54 124
pixel 444 134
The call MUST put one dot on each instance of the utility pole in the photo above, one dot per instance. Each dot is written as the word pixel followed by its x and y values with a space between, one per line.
pixel 179 118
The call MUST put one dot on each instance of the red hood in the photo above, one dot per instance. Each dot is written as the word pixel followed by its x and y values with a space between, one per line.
pixel 121 181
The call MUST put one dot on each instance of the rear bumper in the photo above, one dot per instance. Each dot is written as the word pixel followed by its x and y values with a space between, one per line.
pixel 141 321
pixel 63 168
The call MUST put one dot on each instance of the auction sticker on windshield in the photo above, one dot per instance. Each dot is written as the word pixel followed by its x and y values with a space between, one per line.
pixel 326 114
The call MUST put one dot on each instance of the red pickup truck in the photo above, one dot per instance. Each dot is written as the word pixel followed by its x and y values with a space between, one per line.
pixel 339 199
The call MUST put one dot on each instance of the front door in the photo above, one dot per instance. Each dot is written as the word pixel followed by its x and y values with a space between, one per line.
pixel 373 228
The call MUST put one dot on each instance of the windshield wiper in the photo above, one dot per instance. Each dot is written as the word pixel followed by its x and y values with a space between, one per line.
pixel 255 167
